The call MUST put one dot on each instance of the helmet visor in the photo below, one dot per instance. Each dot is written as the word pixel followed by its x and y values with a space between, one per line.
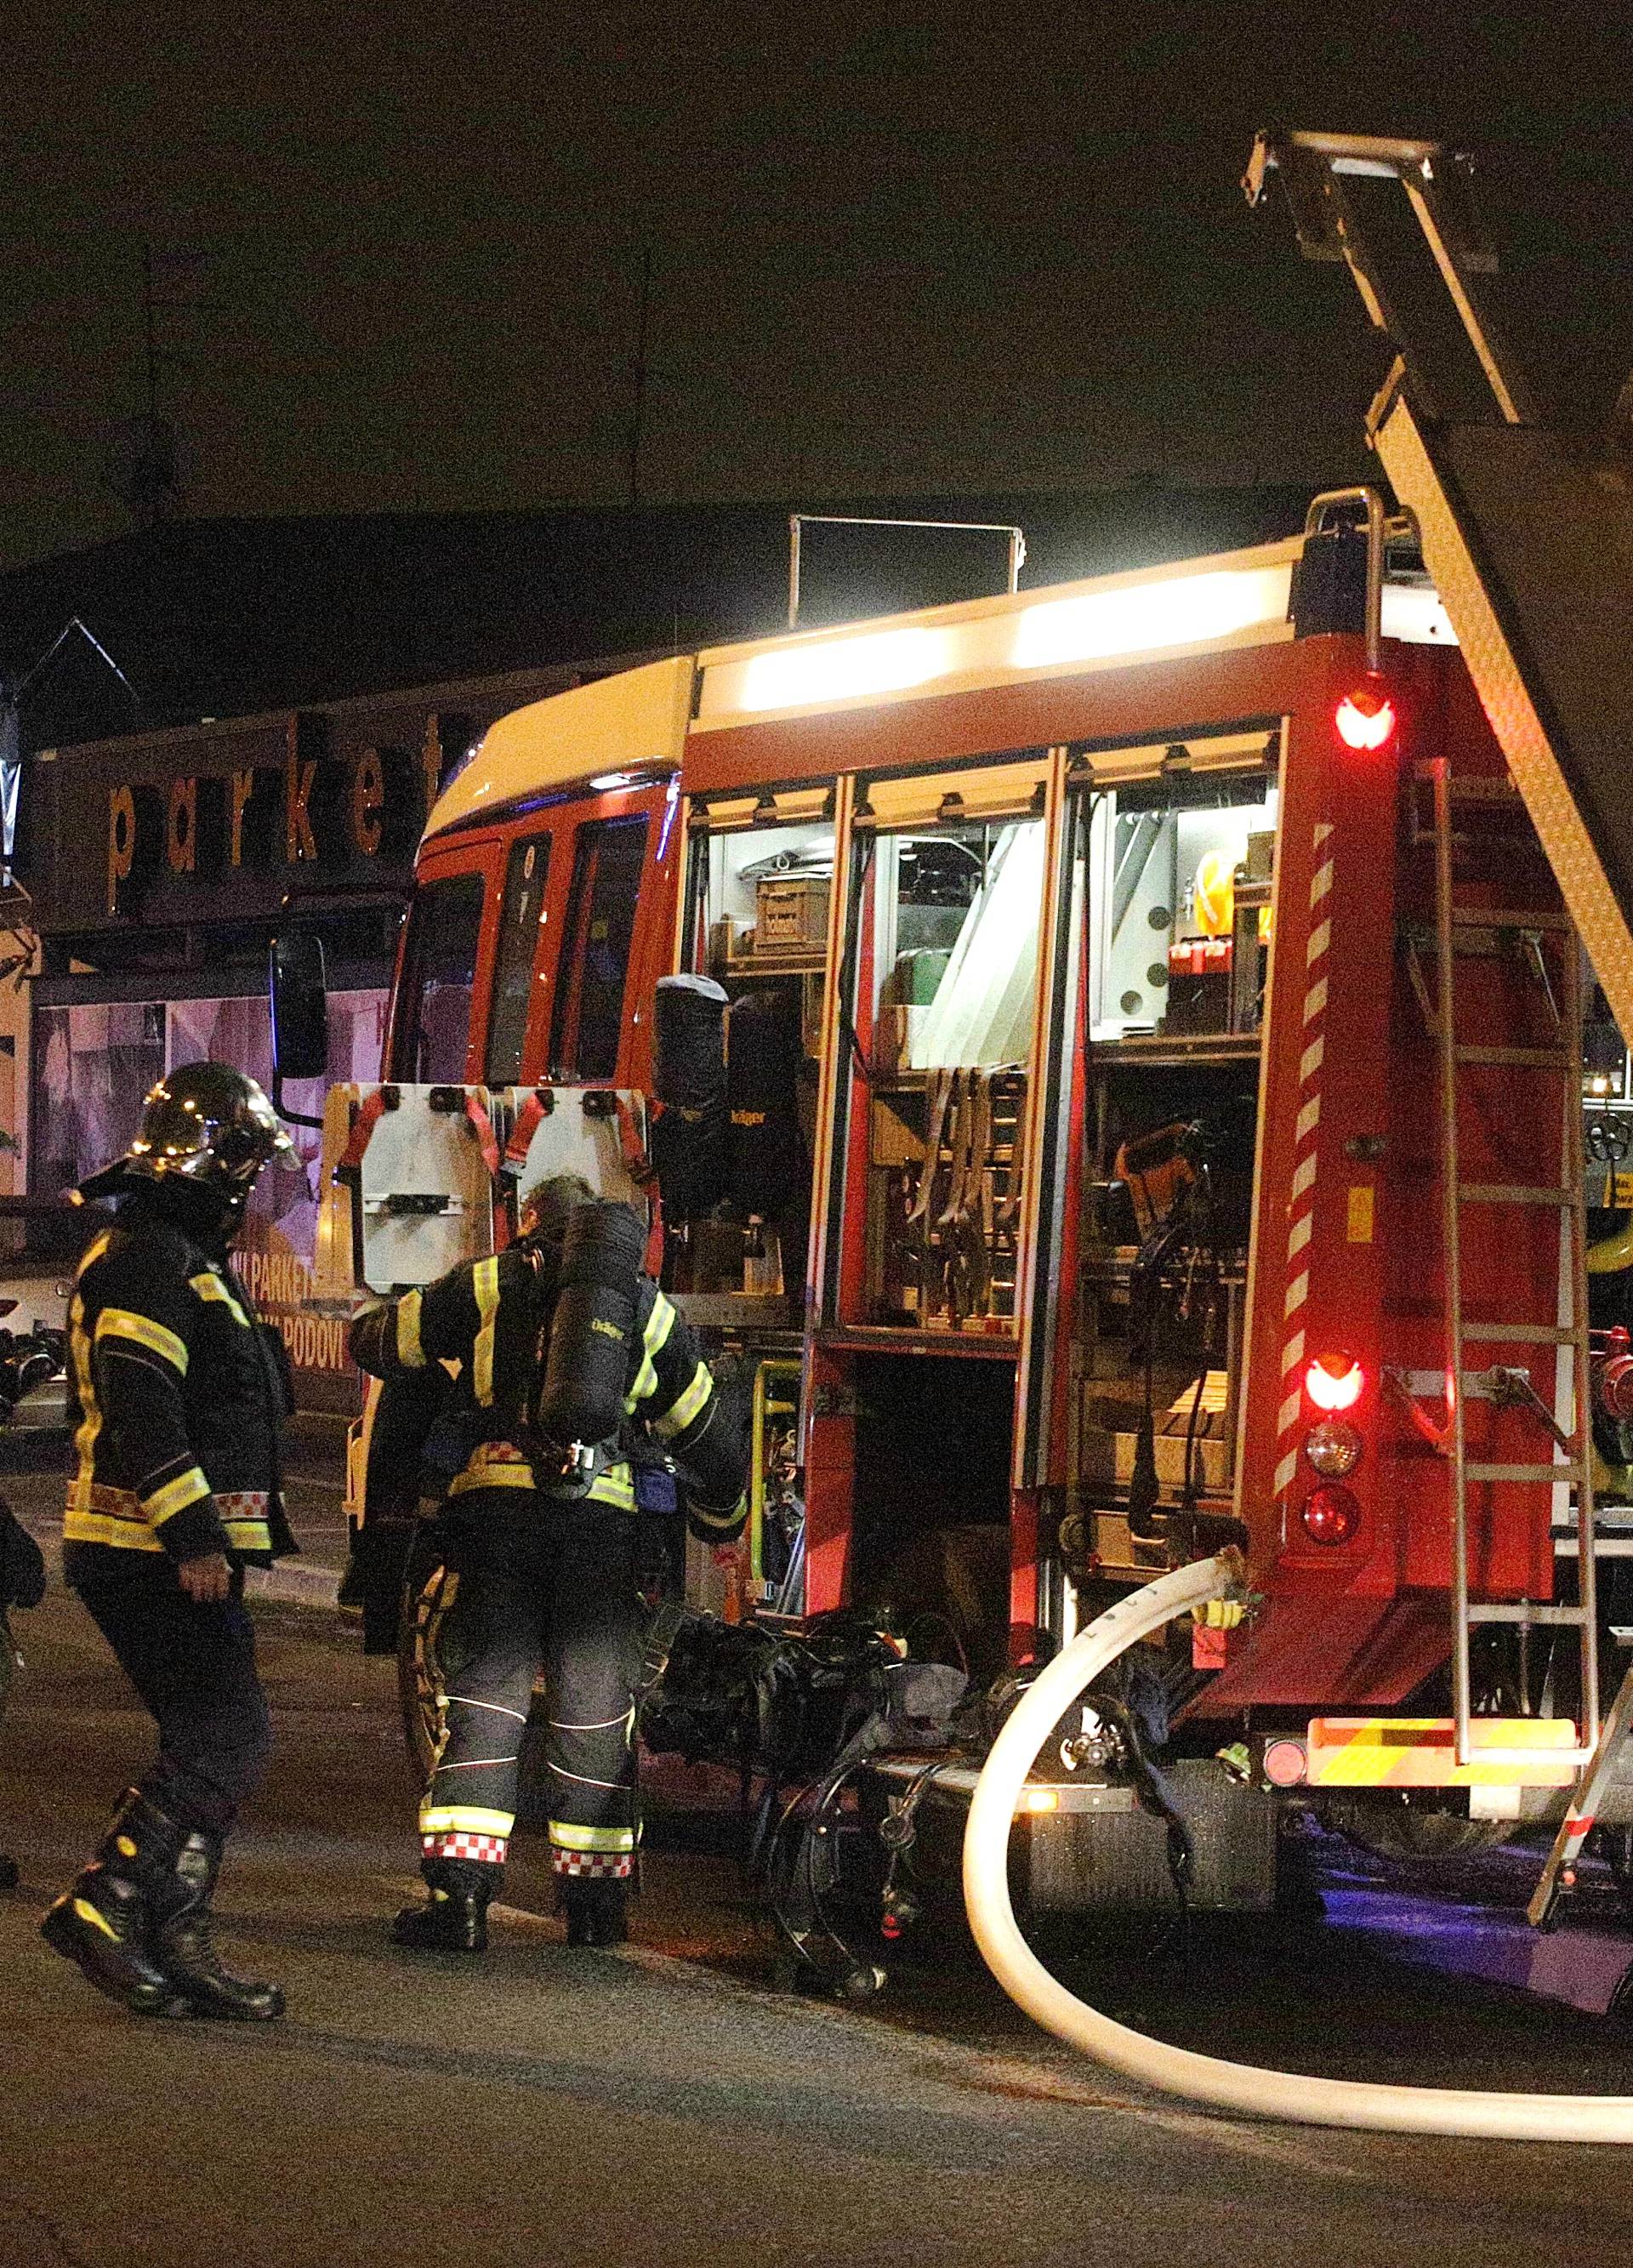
pixel 219 1128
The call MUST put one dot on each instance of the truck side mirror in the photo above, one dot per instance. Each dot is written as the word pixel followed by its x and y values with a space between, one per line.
pixel 300 1044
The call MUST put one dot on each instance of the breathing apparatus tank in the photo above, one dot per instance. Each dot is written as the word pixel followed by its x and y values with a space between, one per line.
pixel 586 1369
pixel 689 1135
pixel 766 1155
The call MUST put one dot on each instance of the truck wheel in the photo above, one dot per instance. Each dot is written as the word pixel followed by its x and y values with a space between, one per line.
pixel 1410 1834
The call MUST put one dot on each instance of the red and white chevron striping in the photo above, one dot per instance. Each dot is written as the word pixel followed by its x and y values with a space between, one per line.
pixel 1301 1191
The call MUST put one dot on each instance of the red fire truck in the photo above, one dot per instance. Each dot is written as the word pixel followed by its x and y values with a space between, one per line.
pixel 1152 1115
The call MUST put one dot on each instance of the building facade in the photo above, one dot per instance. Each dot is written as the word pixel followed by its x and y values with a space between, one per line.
pixel 161 867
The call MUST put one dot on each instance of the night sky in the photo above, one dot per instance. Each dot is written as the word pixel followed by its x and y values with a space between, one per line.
pixel 893 250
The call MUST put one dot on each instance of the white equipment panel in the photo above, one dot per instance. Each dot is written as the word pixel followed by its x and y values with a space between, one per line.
pixel 577 1131
pixel 425 1188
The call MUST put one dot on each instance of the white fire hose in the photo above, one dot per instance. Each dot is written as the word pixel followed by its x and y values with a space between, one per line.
pixel 1235 2087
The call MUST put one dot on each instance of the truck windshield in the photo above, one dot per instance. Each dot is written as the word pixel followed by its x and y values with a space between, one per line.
pixel 438 982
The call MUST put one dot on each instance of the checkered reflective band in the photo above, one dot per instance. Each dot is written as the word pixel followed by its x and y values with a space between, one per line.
pixel 609 1865
pixel 487 1850
pixel 242 1503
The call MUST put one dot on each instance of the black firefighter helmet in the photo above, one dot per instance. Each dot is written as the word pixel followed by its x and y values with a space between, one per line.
pixel 207 1126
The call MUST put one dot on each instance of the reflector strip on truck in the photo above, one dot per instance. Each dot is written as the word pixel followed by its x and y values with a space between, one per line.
pixel 1301 1192
pixel 1420 1752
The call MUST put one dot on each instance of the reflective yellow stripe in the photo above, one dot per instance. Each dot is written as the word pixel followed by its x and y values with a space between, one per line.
pixel 82 1526
pixel 677 1418
pixel 614 1486
pixel 485 1284
pixel 249 1535
pixel 487 1476
pixel 211 1287
pixel 175 1496
pixel 120 1324
pixel 91 1417
pixel 568 1838
pixel 654 1339
pixel 716 1519
pixel 493 1464
pixel 90 1413
pixel 463 1819
pixel 410 1353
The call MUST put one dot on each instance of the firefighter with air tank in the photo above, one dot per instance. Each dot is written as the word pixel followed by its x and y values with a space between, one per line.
pixel 558 1357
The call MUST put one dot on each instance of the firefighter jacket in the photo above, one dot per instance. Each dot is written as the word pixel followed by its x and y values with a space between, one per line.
pixel 491 1317
pixel 181 1398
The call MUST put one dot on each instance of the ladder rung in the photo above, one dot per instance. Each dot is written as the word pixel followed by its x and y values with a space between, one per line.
pixel 1519 1334
pixel 1472 787
pixel 1512 1193
pixel 1501 793
pixel 1507 917
pixel 1483 1472
pixel 1519 1613
pixel 1548 1058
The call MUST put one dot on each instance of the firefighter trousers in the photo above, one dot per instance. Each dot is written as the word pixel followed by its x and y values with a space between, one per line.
pixel 194 1664
pixel 549 1588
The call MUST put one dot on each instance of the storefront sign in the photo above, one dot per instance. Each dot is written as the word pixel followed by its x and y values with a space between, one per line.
pixel 281 1285
pixel 316 808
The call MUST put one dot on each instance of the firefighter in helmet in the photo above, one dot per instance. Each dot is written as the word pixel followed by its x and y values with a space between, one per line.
pixel 567 1354
pixel 181 1394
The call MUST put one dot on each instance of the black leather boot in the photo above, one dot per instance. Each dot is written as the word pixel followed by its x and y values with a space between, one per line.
pixel 184 1942
pixel 108 1922
pixel 597 1910
pixel 454 1916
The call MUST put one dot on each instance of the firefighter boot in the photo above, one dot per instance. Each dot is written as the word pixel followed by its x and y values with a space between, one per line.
pixel 598 1913
pixel 454 1916
pixel 184 1942
pixel 107 1922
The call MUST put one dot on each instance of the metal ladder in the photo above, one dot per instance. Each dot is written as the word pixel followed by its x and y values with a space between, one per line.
pixel 1459 930
pixel 1559 1874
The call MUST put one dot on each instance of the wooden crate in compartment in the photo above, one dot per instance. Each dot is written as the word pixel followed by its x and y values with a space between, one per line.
pixel 1208 1436
pixel 791 913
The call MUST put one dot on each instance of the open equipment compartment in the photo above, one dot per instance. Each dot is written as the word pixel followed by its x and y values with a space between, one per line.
pixel 1180 851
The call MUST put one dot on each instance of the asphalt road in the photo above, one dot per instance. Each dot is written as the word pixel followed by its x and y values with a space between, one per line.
pixel 654 2111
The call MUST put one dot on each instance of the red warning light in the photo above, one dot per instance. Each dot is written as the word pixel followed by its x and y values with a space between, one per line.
pixel 1365 719
pixel 1334 1382
pixel 1285 1762
pixel 1330 1515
